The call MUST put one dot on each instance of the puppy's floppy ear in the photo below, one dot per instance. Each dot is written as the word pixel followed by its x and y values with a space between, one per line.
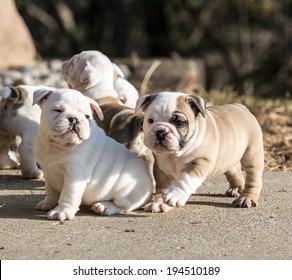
pixel 117 72
pixel 15 94
pixel 22 94
pixel 88 74
pixel 144 101
pixel 40 95
pixel 95 107
pixel 197 103
pixel 139 119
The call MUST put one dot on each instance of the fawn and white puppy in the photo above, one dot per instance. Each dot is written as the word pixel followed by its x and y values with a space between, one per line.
pixel 93 74
pixel 81 164
pixel 191 143
pixel 19 118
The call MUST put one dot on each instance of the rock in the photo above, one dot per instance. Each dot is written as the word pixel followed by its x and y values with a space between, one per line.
pixel 38 73
pixel 17 47
pixel 55 65
pixel 170 74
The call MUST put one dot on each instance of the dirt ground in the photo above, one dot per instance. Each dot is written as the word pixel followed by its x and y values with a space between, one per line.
pixel 277 129
pixel 206 228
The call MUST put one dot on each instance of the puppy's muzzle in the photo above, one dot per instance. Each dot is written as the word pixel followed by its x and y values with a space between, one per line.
pixel 160 136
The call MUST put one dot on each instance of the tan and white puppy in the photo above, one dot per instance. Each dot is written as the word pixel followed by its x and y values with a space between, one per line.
pixel 191 143
pixel 19 118
pixel 93 74
pixel 81 164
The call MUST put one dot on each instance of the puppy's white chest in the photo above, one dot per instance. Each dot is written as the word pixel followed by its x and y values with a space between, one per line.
pixel 55 174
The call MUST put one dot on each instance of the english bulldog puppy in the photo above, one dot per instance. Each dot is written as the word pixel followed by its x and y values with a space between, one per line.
pixel 8 160
pixel 125 126
pixel 19 118
pixel 81 164
pixel 191 143
pixel 127 93
pixel 93 74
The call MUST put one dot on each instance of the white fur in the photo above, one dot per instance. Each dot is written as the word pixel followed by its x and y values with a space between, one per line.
pixel 163 107
pixel 95 171
pixel 179 191
pixel 93 74
pixel 127 93
pixel 23 121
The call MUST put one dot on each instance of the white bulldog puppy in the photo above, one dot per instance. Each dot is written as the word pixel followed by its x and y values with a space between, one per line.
pixel 81 164
pixel 127 93
pixel 125 126
pixel 93 74
pixel 19 118
pixel 191 143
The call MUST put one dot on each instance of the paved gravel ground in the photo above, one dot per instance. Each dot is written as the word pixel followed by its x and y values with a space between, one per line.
pixel 206 228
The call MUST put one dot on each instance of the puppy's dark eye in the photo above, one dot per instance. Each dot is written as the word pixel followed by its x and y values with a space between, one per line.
pixel 58 110
pixel 87 117
pixel 178 121
pixel 150 121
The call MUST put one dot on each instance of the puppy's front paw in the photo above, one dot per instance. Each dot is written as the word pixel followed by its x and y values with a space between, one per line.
pixel 62 214
pixel 157 206
pixel 246 201
pixel 106 208
pixel 174 196
pixel 46 204
pixel 36 174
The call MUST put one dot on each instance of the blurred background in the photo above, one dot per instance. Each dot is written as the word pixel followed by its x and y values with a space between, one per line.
pixel 245 45
pixel 236 50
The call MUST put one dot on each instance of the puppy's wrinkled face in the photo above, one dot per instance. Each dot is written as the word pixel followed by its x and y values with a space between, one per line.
pixel 87 69
pixel 169 121
pixel 71 72
pixel 66 116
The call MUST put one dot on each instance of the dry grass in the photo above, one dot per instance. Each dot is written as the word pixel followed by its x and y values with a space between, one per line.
pixel 275 118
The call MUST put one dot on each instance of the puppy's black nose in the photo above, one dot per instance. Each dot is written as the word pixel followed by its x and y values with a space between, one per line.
pixel 73 124
pixel 160 135
pixel 72 121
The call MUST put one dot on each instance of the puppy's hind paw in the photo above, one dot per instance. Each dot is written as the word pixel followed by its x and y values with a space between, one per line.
pixel 99 209
pixel 106 208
